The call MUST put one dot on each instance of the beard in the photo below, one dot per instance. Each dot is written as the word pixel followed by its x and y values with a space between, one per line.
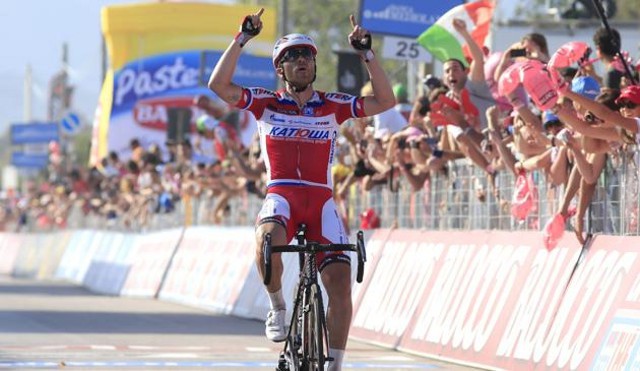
pixel 300 80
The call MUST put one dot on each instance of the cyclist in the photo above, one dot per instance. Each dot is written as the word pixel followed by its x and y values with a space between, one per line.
pixel 298 128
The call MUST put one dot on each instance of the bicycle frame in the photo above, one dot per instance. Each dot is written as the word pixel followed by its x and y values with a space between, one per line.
pixel 308 339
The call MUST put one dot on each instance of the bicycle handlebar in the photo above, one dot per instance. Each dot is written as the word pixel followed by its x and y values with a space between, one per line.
pixel 314 247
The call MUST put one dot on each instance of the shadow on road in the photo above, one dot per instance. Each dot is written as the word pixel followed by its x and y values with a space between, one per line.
pixel 124 323
pixel 48 289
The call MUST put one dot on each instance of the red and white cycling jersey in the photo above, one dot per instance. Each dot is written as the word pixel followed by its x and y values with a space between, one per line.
pixel 298 143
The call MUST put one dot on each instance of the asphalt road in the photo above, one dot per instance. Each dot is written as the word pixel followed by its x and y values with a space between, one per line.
pixel 56 325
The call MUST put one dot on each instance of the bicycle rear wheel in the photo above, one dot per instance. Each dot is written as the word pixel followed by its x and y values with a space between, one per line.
pixel 313 358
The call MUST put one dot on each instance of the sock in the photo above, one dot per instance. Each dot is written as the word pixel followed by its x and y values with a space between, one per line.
pixel 337 355
pixel 277 300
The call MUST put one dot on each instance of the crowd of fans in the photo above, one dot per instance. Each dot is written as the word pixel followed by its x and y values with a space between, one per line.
pixel 520 110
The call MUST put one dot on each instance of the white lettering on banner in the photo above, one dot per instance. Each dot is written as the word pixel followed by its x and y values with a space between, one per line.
pixel 539 296
pixel 151 113
pixel 473 285
pixel 398 290
pixel 176 76
pixel 368 316
pixel 591 293
pixel 580 316
pixel 493 267
pixel 374 246
pixel 634 291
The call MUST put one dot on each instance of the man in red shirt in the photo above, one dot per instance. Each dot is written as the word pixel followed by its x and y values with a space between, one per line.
pixel 298 129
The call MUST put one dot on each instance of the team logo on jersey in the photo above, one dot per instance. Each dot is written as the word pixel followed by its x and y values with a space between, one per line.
pixel 275 118
pixel 281 132
pixel 307 111
pixel 338 97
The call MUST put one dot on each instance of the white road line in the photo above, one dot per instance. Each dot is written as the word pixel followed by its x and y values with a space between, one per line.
pixel 171 355
pixel 102 347
pixel 258 349
pixel 141 347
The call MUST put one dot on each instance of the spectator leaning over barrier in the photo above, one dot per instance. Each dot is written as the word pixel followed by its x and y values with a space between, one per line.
pixel 298 166
pixel 597 142
pixel 469 88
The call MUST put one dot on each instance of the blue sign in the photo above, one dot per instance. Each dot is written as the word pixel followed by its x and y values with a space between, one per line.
pixel 251 71
pixel 408 18
pixel 34 133
pixel 182 74
pixel 70 123
pixel 31 161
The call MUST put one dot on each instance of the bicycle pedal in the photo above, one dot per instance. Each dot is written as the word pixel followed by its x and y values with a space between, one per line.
pixel 282 363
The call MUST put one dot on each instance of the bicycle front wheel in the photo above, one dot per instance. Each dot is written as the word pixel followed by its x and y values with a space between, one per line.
pixel 313 358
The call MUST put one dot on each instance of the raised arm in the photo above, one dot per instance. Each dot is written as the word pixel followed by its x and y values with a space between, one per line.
pixel 477 67
pixel 603 112
pixel 608 133
pixel 382 98
pixel 220 79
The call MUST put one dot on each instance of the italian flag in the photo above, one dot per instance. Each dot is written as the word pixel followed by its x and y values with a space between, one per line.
pixel 444 42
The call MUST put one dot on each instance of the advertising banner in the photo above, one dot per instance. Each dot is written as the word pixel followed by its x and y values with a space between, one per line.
pixel 407 18
pixel 485 299
pixel 160 57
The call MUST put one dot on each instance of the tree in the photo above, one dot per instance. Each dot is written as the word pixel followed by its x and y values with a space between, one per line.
pixel 622 10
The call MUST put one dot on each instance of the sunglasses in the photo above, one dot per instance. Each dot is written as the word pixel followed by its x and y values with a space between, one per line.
pixel 628 105
pixel 292 55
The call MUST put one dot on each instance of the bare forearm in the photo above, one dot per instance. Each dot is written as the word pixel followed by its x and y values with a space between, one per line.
pixel 383 94
pixel 220 79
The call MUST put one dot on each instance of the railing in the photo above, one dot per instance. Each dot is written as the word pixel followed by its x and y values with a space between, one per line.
pixel 449 202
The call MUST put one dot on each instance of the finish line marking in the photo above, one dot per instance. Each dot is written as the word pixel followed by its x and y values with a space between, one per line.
pixel 171 364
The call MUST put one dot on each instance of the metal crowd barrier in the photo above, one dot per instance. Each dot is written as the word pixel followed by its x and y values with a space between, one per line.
pixel 448 202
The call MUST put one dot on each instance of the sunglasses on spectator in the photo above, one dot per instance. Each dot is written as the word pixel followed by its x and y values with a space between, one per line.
pixel 628 105
pixel 292 55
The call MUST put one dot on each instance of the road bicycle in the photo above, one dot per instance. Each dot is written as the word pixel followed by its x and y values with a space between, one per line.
pixel 307 341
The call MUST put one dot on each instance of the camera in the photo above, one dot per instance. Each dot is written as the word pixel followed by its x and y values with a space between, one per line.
pixel 515 53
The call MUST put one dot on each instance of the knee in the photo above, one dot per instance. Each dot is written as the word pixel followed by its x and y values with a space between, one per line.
pixel 337 281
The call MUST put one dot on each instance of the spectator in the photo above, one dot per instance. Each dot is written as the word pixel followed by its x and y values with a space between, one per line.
pixel 607 47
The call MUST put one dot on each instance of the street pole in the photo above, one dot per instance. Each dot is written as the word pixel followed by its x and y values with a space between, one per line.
pixel 28 94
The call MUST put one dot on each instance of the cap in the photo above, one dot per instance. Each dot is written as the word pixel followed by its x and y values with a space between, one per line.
pixel 548 117
pixel 206 122
pixel 631 93
pixel 400 91
pixel 586 86
pixel 432 82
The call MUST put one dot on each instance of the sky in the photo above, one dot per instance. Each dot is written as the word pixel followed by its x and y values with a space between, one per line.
pixel 33 32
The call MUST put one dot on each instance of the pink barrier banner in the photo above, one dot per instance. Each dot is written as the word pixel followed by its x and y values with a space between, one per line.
pixel 210 267
pixel 149 260
pixel 611 279
pixel 494 299
pixel 9 246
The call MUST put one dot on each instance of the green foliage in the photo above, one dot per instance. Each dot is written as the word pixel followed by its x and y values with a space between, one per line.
pixel 627 10
pixel 82 146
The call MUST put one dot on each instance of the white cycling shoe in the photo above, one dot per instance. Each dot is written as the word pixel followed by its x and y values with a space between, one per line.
pixel 274 329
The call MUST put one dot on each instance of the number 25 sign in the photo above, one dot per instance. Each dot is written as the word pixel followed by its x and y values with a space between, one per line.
pixel 404 49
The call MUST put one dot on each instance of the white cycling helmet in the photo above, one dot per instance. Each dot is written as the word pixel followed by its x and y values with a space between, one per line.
pixel 290 41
